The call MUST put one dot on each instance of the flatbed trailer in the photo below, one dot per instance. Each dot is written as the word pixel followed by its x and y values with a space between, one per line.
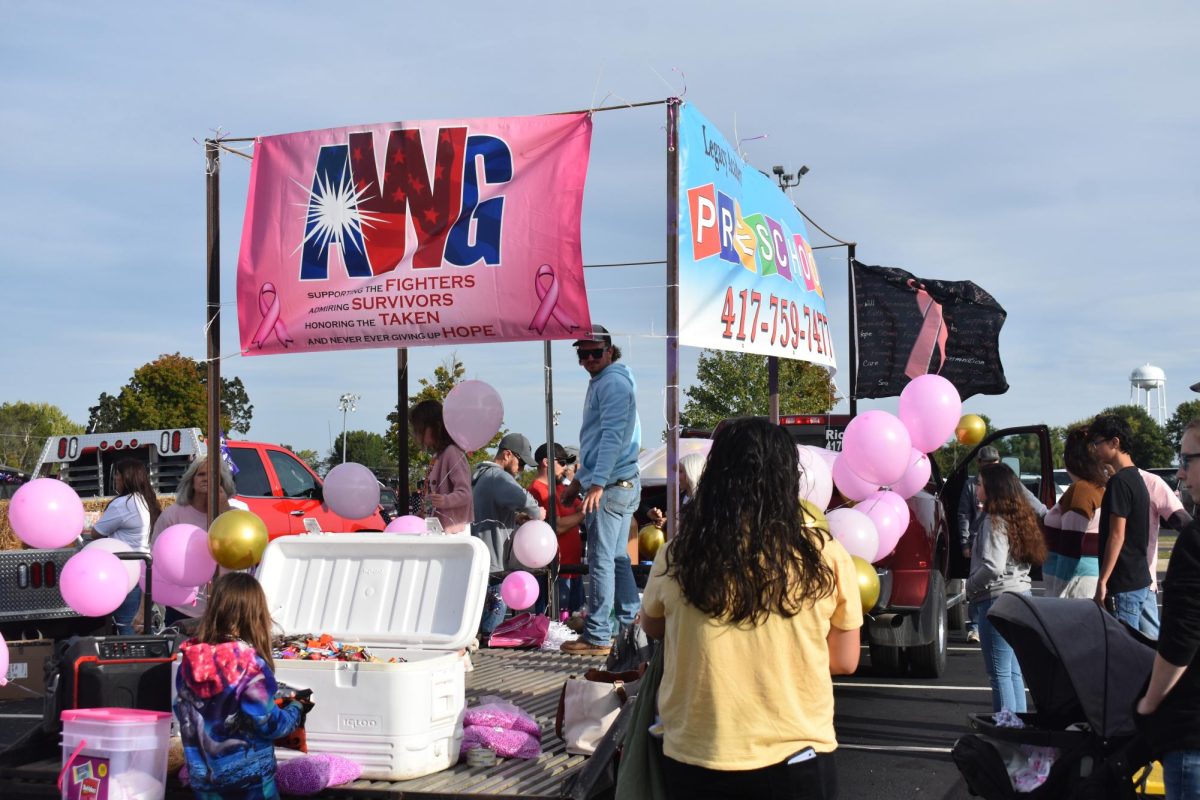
pixel 532 680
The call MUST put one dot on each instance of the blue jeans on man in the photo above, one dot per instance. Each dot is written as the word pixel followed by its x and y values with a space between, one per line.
pixel 1004 671
pixel 1181 774
pixel 126 613
pixel 1148 621
pixel 1127 606
pixel 610 573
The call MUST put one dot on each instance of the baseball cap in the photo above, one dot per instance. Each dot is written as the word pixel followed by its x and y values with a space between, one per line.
pixel 560 454
pixel 988 454
pixel 598 333
pixel 1195 387
pixel 519 445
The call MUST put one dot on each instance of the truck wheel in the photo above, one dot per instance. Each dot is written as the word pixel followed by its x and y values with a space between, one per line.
pixel 886 661
pixel 956 617
pixel 929 660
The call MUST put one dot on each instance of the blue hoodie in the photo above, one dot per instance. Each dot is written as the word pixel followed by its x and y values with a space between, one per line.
pixel 228 718
pixel 611 434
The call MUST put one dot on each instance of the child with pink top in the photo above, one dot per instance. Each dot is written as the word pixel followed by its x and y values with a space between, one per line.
pixel 448 484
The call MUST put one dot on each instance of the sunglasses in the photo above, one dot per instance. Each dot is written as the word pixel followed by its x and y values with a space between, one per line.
pixel 1184 458
pixel 585 353
pixel 1097 442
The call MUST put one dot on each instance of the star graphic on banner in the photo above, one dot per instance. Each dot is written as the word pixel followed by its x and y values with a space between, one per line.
pixel 398 156
pixel 398 195
pixel 431 214
pixel 334 213
pixel 439 172
pixel 358 153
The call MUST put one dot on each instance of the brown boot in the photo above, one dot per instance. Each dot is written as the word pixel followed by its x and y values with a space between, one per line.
pixel 582 647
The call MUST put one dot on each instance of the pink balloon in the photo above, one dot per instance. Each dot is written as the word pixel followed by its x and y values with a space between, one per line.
pixel 182 557
pixel 855 531
pixel 915 477
pixel 3 661
pixel 519 590
pixel 850 484
pixel 472 412
pixel 534 544
pixel 93 582
pixel 877 446
pixel 169 594
pixel 816 478
pixel 132 568
pixel 352 491
pixel 407 524
pixel 891 516
pixel 930 408
pixel 46 513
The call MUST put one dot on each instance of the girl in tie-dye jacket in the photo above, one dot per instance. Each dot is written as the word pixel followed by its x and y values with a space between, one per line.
pixel 228 718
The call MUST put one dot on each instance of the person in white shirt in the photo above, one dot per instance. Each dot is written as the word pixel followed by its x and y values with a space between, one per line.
pixel 128 518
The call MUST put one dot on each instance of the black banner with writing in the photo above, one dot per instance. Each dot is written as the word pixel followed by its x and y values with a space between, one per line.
pixel 909 326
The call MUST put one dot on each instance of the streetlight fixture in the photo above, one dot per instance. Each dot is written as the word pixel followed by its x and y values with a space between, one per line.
pixel 347 402
pixel 786 180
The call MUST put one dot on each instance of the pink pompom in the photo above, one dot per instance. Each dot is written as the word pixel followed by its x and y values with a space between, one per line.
pixel 310 774
pixel 505 742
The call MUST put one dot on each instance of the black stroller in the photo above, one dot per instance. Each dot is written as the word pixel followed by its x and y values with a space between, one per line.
pixel 1085 671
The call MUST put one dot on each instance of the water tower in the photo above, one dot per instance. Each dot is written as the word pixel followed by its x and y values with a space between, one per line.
pixel 1148 378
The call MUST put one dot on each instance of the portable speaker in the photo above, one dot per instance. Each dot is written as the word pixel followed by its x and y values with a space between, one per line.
pixel 107 672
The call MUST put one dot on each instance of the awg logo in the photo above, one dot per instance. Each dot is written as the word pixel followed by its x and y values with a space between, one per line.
pixel 347 722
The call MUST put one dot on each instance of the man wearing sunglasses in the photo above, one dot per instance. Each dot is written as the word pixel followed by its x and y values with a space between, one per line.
pixel 1124 579
pixel 1172 700
pixel 607 473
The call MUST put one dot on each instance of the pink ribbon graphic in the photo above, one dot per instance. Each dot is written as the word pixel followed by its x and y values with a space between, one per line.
pixel 548 307
pixel 933 332
pixel 271 322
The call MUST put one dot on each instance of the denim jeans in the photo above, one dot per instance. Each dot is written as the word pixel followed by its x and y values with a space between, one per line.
pixel 1004 673
pixel 1181 774
pixel 570 594
pixel 494 609
pixel 1127 606
pixel 126 613
pixel 1148 620
pixel 972 617
pixel 612 584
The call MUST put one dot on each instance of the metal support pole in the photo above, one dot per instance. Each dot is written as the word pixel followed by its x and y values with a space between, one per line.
pixel 853 330
pixel 551 478
pixel 773 388
pixel 212 172
pixel 672 316
pixel 402 414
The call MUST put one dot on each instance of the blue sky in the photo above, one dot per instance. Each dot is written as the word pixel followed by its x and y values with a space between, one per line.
pixel 1045 151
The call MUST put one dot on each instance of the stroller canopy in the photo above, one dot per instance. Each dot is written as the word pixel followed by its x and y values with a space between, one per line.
pixel 1079 662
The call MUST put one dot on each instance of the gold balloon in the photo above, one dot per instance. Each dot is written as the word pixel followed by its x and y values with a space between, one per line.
pixel 868 583
pixel 237 539
pixel 650 539
pixel 971 429
pixel 813 516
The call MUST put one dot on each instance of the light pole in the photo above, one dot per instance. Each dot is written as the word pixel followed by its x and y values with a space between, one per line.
pixel 347 402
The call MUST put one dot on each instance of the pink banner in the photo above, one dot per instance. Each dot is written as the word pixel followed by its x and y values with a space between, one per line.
pixel 415 233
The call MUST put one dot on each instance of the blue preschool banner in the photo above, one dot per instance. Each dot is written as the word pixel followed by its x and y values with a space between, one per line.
pixel 748 281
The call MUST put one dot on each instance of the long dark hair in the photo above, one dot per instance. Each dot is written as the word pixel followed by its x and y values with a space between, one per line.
pixel 1006 501
pixel 1080 459
pixel 135 479
pixel 427 415
pixel 237 609
pixel 745 548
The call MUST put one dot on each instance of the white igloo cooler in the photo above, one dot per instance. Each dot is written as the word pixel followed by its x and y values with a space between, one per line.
pixel 419 598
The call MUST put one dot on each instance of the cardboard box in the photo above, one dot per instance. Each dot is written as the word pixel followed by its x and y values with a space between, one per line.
pixel 26 669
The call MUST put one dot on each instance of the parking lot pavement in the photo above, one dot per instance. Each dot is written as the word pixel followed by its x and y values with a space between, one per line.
pixel 895 734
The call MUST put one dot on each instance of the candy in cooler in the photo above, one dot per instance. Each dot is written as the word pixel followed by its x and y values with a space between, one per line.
pixel 417 598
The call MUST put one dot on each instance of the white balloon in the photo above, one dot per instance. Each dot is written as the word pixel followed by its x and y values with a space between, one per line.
pixel 816 478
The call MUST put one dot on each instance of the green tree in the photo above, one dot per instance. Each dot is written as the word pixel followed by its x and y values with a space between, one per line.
pixel 24 429
pixel 362 447
pixel 1151 446
pixel 445 377
pixel 170 392
pixel 735 384
pixel 1184 413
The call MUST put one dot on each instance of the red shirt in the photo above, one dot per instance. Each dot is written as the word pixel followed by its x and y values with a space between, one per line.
pixel 570 544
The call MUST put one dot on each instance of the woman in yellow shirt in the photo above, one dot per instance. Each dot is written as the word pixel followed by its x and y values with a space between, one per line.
pixel 757 609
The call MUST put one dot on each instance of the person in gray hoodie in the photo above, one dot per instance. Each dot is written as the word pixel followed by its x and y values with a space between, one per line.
pixel 1009 544
pixel 500 506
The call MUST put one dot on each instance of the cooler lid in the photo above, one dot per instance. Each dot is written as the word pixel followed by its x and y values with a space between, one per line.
pixel 383 589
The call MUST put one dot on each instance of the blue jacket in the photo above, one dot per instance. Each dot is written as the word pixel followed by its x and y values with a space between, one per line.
pixel 228 719
pixel 611 435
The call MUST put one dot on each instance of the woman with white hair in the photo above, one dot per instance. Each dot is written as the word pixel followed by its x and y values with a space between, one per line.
pixel 691 467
